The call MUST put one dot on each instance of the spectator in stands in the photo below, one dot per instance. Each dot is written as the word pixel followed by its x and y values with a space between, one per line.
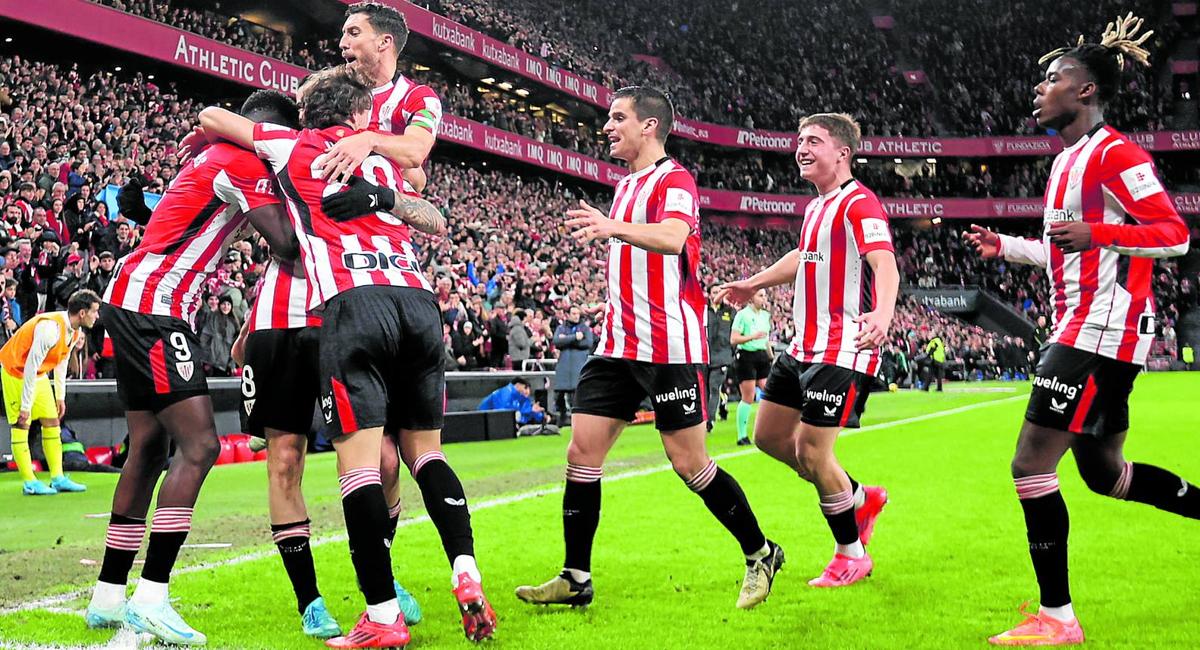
pixel 497 333
pixel 574 340
pixel 10 309
pixel 73 278
pixel 515 396
pixel 519 339
pixel 467 346
pixel 216 341
pixel 102 271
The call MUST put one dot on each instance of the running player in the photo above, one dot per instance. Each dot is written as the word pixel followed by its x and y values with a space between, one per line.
pixel 1106 216
pixel 842 318
pixel 380 342
pixel 42 345
pixel 652 345
pixel 147 310
pixel 751 335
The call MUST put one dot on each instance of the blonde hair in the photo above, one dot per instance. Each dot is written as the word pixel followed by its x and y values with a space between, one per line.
pixel 841 126
pixel 1118 36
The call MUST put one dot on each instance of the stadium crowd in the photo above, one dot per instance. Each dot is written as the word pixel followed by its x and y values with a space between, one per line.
pixel 507 278
pixel 720 69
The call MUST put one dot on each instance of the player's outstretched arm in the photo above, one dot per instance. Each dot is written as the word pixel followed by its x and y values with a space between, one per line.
pixel 220 124
pixel 781 272
pixel 666 237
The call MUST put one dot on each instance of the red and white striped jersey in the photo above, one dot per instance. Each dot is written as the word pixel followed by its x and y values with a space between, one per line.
pixel 398 104
pixel 833 283
pixel 402 103
pixel 282 301
pixel 337 256
pixel 199 215
pixel 655 310
pixel 1103 301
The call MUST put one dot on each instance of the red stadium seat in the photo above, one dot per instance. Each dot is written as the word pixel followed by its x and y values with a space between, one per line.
pixel 241 448
pixel 99 455
pixel 227 454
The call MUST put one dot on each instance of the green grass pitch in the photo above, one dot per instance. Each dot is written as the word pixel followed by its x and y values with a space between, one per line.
pixel 951 564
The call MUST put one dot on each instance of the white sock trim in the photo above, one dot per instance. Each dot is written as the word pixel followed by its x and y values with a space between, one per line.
pixel 854 550
pixel 464 564
pixel 149 592
pixel 384 613
pixel 1064 614
pixel 579 576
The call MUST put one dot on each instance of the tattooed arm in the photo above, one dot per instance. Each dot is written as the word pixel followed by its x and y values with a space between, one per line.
pixel 420 214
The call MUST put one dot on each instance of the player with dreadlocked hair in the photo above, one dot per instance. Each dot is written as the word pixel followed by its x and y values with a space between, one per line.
pixel 1106 217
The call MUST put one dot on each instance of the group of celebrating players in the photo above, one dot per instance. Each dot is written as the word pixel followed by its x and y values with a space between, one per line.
pixel 346 320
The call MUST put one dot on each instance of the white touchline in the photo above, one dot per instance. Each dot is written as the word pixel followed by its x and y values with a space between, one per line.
pixel 55 601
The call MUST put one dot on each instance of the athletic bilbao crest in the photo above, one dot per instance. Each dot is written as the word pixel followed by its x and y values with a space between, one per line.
pixel 1074 176
pixel 185 369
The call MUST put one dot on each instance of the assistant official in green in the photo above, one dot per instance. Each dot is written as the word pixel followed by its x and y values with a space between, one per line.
pixel 751 336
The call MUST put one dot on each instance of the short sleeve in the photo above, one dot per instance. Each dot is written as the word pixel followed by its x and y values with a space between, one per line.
pixel 423 109
pixel 677 199
pixel 274 143
pixel 245 182
pixel 869 225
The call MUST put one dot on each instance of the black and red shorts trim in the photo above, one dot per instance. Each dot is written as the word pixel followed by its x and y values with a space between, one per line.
pixel 381 360
pixel 1081 392
pixel 156 359
pixel 826 395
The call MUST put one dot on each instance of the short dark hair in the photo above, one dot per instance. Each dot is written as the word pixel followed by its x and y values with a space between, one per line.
pixel 384 20
pixel 332 98
pixel 271 106
pixel 82 300
pixel 523 381
pixel 9 282
pixel 650 103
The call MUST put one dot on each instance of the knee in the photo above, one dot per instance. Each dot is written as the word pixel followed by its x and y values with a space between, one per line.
pixel 688 466
pixel 1100 478
pixel 579 454
pixel 201 450
pixel 808 461
pixel 285 465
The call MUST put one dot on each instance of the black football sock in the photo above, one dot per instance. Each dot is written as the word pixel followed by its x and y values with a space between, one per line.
pixel 121 545
pixel 725 499
pixel 1158 487
pixel 445 503
pixel 292 540
pixel 1047 526
pixel 366 526
pixel 169 529
pixel 581 515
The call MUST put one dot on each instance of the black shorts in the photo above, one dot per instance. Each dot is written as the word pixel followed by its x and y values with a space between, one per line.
pixel 1081 392
pixel 280 380
pixel 155 358
pixel 826 395
pixel 615 388
pixel 381 360
pixel 752 365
